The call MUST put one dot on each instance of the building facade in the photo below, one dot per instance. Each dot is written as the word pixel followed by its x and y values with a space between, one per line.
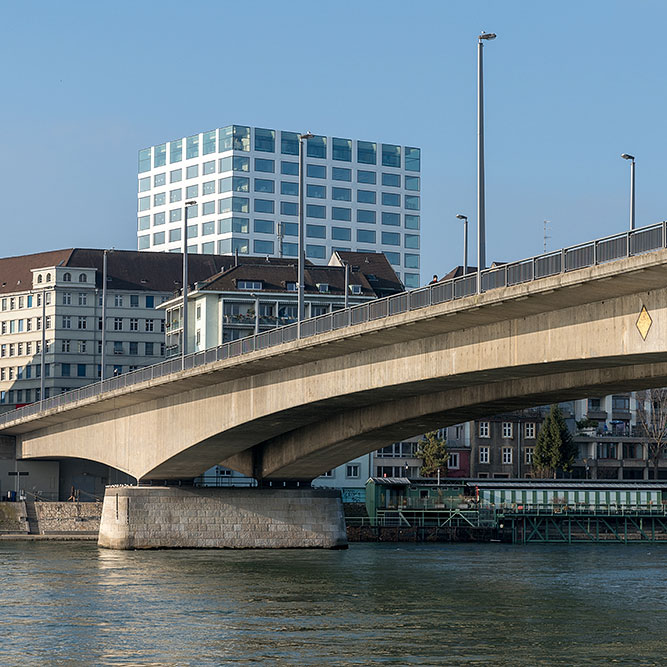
pixel 51 317
pixel 611 441
pixel 257 294
pixel 360 196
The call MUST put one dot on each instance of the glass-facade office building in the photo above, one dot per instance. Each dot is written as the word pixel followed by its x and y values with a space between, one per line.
pixel 360 196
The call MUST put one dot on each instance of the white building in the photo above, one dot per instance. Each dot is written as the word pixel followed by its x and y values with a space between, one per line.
pixel 360 195
pixel 56 297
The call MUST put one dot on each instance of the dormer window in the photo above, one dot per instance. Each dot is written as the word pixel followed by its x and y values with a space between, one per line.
pixel 48 277
pixel 290 287
pixel 39 278
pixel 249 284
pixel 323 287
pixel 355 289
pixel 83 278
pixel 67 277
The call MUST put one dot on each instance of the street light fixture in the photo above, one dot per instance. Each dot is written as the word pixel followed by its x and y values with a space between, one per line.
pixel 481 213
pixel 104 314
pixel 626 156
pixel 184 333
pixel 302 258
pixel 465 242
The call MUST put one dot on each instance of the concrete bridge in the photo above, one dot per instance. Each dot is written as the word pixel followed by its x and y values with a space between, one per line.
pixel 281 408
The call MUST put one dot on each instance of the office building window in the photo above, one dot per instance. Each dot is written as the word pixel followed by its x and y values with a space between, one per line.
pixel 341 194
pixel 341 149
pixel 412 159
pixel 365 216
pixel 366 196
pixel 265 140
pixel 366 152
pixel 262 164
pixel 317 147
pixel 391 155
pixel 289 143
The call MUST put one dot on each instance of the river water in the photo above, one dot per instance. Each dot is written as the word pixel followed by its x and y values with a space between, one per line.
pixel 374 604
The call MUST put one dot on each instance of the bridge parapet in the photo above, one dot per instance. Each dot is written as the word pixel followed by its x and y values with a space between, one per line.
pixel 584 255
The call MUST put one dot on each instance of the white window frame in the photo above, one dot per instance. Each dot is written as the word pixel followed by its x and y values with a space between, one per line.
pixel 352 471
pixel 453 461
pixel 528 455
pixel 508 430
pixel 507 456
pixel 529 430
pixel 484 430
pixel 484 454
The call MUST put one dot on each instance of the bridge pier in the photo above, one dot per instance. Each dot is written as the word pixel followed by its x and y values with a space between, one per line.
pixel 205 518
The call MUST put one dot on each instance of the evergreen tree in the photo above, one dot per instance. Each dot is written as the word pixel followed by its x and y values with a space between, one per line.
pixel 554 449
pixel 433 452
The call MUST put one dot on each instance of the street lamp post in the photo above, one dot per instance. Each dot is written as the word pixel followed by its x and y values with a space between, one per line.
pixel 104 316
pixel 302 259
pixel 481 213
pixel 625 156
pixel 465 242
pixel 184 319
pixel 42 361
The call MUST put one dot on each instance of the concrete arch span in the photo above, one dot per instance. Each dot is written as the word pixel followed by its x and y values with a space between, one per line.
pixel 296 412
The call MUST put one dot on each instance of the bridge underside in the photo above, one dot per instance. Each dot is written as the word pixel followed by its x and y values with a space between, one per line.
pixel 299 410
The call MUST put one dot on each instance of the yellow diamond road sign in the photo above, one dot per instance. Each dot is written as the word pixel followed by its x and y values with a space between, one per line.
pixel 644 322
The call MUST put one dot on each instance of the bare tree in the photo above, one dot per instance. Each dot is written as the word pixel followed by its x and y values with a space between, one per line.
pixel 652 419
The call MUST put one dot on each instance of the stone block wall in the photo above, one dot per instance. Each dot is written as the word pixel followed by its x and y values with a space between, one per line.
pixel 62 518
pixel 13 518
pixel 176 517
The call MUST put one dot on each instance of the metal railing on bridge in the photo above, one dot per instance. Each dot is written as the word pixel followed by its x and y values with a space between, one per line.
pixel 600 251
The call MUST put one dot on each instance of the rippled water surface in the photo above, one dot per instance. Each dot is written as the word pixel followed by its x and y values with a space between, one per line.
pixel 486 604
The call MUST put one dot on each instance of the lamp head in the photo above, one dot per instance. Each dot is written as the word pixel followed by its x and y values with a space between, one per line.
pixel 306 135
pixel 488 35
pixel 192 202
pixel 461 217
pixel 626 156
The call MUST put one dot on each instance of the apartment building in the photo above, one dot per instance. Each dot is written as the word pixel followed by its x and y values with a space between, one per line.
pixel 257 294
pixel 51 316
pixel 611 441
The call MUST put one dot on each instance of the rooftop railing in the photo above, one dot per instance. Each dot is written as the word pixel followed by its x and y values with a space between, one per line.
pixel 581 256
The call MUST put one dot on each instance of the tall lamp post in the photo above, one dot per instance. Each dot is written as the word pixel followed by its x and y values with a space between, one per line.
pixel 302 258
pixel 184 334
pixel 465 242
pixel 625 156
pixel 104 315
pixel 481 213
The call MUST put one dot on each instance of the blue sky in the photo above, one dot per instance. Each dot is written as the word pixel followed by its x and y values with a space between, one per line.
pixel 569 86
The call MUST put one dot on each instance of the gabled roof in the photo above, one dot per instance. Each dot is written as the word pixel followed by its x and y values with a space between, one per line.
pixel 376 268
pixel 275 274
pixel 126 269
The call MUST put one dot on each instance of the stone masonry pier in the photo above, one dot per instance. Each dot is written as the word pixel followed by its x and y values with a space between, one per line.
pixel 191 518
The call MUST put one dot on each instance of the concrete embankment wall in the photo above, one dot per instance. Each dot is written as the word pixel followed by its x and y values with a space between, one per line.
pixel 13 518
pixel 176 517
pixel 55 518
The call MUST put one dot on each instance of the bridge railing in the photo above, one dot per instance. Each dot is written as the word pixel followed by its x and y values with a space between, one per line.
pixel 580 256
